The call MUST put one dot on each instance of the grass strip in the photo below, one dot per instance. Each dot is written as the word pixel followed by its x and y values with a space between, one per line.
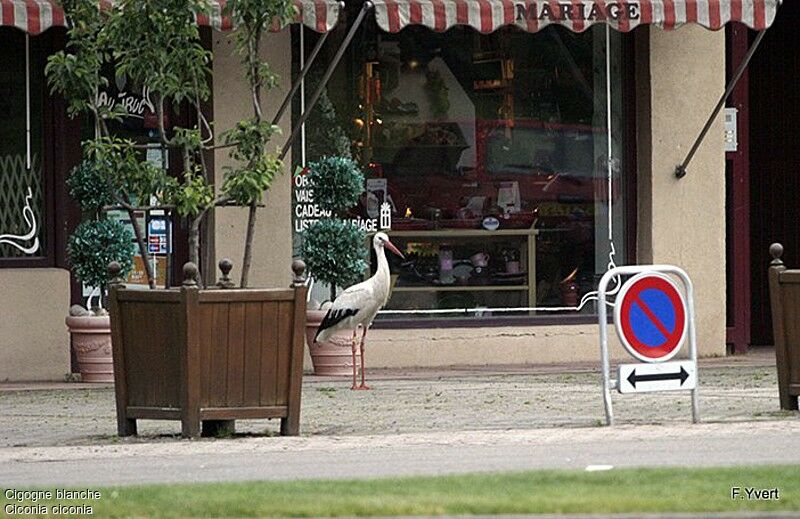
pixel 553 491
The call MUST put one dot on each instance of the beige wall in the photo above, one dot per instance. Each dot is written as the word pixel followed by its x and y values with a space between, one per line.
pixel 482 346
pixel 682 221
pixel 34 343
pixel 272 253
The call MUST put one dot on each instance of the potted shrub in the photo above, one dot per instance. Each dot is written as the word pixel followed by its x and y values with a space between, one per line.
pixel 204 356
pixel 93 245
pixel 335 253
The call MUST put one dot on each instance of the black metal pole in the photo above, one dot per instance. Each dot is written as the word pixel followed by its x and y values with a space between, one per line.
pixel 299 79
pixel 325 78
pixel 680 170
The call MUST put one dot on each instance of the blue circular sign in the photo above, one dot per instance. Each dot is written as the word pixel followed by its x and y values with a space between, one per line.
pixel 650 317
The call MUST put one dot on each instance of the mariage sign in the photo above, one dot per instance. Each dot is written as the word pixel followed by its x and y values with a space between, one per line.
pixel 559 12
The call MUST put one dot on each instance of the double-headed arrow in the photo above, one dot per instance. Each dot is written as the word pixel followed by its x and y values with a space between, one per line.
pixel 682 375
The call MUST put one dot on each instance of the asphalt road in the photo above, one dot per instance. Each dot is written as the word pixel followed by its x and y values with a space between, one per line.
pixel 241 459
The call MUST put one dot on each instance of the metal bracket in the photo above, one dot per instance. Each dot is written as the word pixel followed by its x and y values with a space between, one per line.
pixel 680 170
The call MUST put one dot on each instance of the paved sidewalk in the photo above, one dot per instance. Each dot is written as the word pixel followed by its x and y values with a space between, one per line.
pixel 431 453
pixel 732 389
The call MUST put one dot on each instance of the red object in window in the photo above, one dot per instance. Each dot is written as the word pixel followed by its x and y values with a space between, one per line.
pixel 151 120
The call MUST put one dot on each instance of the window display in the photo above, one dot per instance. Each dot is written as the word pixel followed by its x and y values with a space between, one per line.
pixel 500 157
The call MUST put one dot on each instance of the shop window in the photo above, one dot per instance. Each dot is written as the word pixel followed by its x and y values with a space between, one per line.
pixel 504 174
pixel 22 186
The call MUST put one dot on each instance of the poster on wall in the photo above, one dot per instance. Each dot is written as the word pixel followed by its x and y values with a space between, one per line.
pixel 373 214
pixel 138 275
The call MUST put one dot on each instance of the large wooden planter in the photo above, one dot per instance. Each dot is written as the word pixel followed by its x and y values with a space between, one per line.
pixel 784 295
pixel 208 355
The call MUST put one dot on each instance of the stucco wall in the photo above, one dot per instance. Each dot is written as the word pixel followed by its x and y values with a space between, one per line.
pixel 272 253
pixel 34 342
pixel 682 221
pixel 482 346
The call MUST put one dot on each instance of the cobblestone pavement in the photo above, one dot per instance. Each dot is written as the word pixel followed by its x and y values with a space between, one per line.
pixel 734 389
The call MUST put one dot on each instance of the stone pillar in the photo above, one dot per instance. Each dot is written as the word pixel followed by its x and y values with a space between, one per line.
pixel 232 102
pixel 682 221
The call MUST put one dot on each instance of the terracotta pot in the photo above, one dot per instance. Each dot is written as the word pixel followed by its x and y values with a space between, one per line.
pixel 91 340
pixel 333 357
pixel 569 293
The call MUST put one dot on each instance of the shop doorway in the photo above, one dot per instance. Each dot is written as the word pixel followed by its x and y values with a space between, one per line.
pixel 774 159
pixel 763 174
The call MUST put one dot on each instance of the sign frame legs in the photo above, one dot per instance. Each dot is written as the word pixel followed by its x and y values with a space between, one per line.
pixel 602 318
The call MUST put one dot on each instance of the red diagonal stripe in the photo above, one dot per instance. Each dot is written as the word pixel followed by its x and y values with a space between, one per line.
pixel 650 315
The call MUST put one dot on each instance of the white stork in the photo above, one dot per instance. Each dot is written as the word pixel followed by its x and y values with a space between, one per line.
pixel 359 304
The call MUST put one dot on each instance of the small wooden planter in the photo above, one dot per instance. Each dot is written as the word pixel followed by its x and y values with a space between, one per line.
pixel 208 355
pixel 784 295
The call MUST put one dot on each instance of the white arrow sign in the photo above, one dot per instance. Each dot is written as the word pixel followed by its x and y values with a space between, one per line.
pixel 667 376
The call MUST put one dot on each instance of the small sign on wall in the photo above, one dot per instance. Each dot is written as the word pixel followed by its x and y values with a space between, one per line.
pixel 731 130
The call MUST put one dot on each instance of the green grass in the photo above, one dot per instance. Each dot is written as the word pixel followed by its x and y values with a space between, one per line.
pixel 614 491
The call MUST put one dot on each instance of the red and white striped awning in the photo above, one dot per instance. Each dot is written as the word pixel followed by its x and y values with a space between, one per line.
pixel 36 16
pixel 577 15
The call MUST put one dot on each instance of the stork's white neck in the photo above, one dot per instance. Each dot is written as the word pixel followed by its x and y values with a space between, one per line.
pixel 382 274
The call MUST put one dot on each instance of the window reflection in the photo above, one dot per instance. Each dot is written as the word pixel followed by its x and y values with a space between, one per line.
pixel 493 153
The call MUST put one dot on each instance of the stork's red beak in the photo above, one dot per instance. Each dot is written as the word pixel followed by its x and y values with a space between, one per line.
pixel 391 247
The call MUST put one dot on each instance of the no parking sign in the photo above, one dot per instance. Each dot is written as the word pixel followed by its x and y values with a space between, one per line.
pixel 653 318
pixel 650 317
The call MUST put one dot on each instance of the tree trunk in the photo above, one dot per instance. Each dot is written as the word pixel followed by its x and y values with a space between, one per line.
pixel 248 244
pixel 148 267
pixel 194 244
pixel 255 90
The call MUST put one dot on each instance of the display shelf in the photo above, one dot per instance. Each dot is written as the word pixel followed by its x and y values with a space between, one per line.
pixel 462 233
pixel 462 288
pixel 528 258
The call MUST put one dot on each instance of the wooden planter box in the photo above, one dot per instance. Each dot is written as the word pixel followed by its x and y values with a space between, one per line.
pixel 208 355
pixel 784 295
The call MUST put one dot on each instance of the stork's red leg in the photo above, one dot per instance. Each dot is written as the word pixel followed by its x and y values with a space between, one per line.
pixel 363 374
pixel 355 366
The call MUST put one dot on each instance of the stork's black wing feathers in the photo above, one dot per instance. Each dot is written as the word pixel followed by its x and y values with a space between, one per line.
pixel 333 317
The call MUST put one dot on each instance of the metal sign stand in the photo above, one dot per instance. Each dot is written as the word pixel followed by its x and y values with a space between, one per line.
pixel 602 317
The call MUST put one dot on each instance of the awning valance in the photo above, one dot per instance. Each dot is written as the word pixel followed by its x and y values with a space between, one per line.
pixel 577 15
pixel 36 16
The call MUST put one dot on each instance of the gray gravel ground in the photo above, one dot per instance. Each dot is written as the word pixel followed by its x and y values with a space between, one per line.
pixel 734 389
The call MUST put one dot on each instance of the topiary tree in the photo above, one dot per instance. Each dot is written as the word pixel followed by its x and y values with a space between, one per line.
pixel 324 133
pixel 96 242
pixel 333 248
pixel 87 185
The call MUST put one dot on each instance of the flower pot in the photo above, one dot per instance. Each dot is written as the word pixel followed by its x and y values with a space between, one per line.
pixel 91 340
pixel 333 357
pixel 569 293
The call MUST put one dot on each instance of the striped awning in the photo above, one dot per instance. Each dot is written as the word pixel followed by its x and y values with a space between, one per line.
pixel 36 16
pixel 577 15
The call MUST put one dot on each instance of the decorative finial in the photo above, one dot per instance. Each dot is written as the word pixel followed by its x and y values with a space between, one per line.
pixel 776 251
pixel 190 274
pixel 115 273
pixel 299 269
pixel 225 265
